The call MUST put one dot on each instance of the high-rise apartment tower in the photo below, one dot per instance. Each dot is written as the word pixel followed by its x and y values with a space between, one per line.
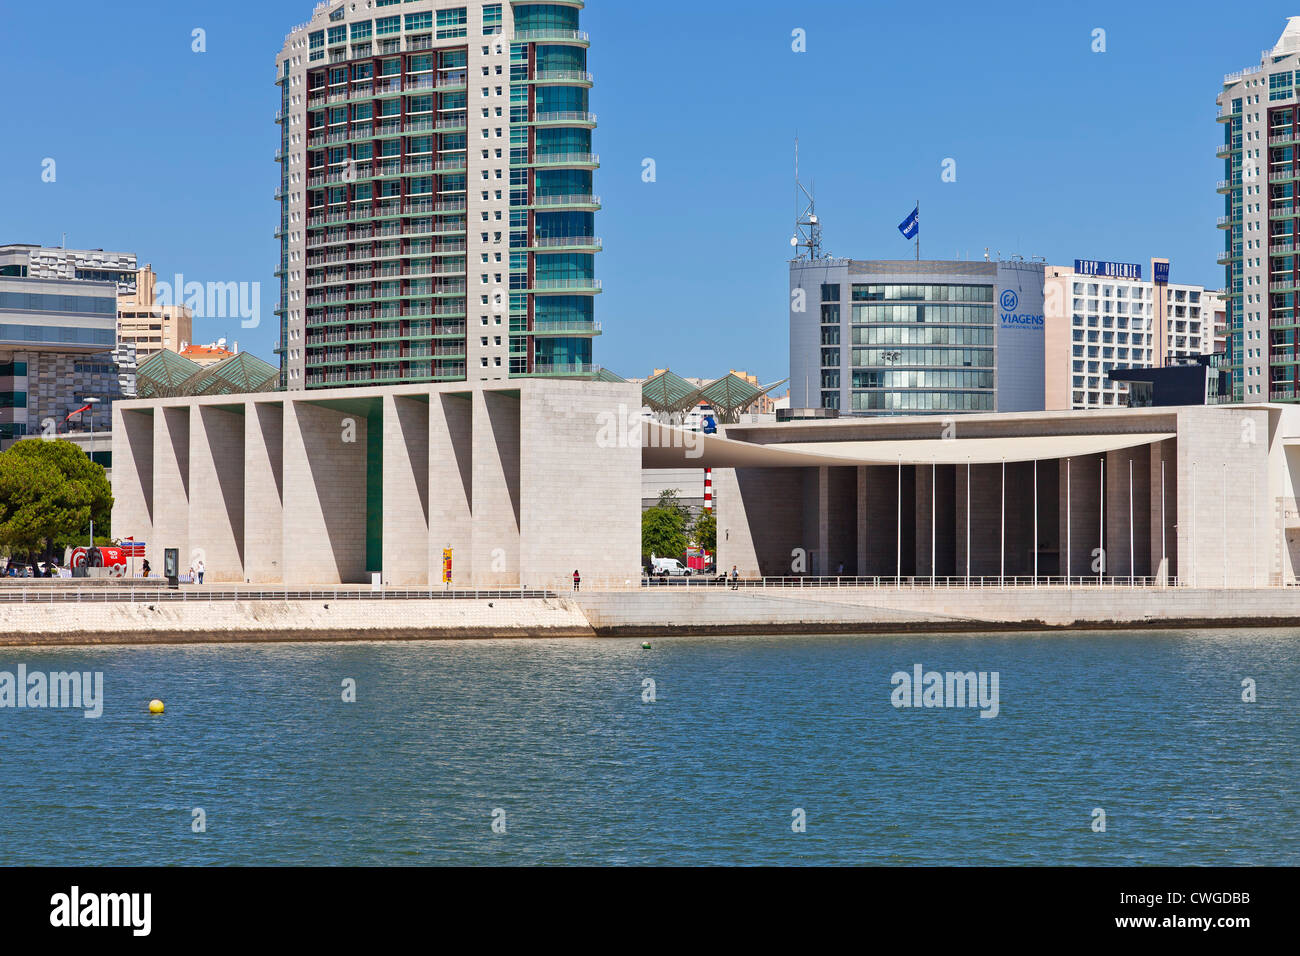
pixel 436 202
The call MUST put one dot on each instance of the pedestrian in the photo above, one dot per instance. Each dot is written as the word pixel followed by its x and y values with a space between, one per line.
pixel 735 578
pixel 190 579
pixel 199 568
pixel 146 567
pixel 577 580
pixel 840 571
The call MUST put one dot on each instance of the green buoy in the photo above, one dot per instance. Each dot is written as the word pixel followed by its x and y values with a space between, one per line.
pixel 645 645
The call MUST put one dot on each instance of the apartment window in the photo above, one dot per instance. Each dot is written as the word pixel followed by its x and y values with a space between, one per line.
pixel 453 23
pixel 492 19
pixel 1279 86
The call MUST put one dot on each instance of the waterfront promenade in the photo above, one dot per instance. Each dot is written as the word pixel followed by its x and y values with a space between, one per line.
pixel 54 613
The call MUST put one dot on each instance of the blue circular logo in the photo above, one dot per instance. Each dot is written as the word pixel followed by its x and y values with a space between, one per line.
pixel 1010 300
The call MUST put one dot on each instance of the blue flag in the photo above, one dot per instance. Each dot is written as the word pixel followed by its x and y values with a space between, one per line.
pixel 910 226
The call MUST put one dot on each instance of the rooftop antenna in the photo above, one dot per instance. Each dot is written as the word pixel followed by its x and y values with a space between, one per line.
pixel 807 238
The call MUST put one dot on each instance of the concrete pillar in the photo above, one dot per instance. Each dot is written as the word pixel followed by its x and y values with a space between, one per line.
pixel 567 450
pixel 496 490
pixel 264 492
pixel 171 487
pixel 451 486
pixel 216 529
pixel 985 521
pixel 961 519
pixel 860 475
pixel 406 491
pixel 1224 529
pixel 925 487
pixel 1079 524
pixel 822 540
pixel 760 519
pixel 133 433
pixel 325 454
pixel 1117 506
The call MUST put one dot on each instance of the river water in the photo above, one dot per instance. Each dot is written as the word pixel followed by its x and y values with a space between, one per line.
pixel 736 746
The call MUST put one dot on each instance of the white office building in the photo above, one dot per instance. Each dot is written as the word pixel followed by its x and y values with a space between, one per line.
pixel 1103 315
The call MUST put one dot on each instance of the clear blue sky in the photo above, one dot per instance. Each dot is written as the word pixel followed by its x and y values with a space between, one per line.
pixel 1061 152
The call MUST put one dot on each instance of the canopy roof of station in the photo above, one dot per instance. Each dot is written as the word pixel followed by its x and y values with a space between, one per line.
pixel 168 375
pixel 669 393
pixel 664 446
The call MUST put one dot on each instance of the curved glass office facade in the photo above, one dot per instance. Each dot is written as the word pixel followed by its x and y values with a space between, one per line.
pixel 916 338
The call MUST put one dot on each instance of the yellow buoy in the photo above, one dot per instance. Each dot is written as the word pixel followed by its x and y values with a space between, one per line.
pixel 155 706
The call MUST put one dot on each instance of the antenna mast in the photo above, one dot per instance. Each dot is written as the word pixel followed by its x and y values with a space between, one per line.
pixel 807 239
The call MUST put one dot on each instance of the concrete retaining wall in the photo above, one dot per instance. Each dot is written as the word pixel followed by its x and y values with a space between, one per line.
pixel 278 621
pixel 875 610
pixel 652 613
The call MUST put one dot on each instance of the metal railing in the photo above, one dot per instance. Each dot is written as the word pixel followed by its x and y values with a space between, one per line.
pixel 133 594
pixel 713 580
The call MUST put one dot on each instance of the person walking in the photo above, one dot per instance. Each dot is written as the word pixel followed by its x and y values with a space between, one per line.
pixel 577 580
pixel 199 568
pixel 735 578
pixel 146 567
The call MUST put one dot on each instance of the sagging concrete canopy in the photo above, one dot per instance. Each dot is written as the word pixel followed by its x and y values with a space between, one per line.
pixel 1168 495
pixel 668 447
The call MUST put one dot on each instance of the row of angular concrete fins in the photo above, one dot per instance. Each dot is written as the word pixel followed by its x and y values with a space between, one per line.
pixel 300 490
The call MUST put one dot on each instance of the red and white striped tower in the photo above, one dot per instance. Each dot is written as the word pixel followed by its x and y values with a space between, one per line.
pixel 708 489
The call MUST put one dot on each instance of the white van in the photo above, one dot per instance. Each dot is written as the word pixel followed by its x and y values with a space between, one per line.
pixel 668 568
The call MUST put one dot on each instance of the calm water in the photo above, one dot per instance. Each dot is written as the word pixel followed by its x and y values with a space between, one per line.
pixel 1150 727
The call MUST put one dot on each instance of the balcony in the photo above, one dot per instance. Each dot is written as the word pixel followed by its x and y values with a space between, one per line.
pixel 566 329
pixel 1231 78
pixel 564 118
pixel 1225 186
pixel 1281 249
pixel 1284 139
pixel 575 201
pixel 1285 211
pixel 574 286
pixel 1283 175
pixel 552 36
pixel 566 242
pixel 1227 114
pixel 561 159
pixel 1227 258
pixel 1227 222
pixel 578 77
pixel 560 370
pixel 1224 151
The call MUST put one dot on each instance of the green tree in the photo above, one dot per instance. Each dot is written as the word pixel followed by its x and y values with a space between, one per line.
pixel 49 492
pixel 663 527
pixel 706 532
